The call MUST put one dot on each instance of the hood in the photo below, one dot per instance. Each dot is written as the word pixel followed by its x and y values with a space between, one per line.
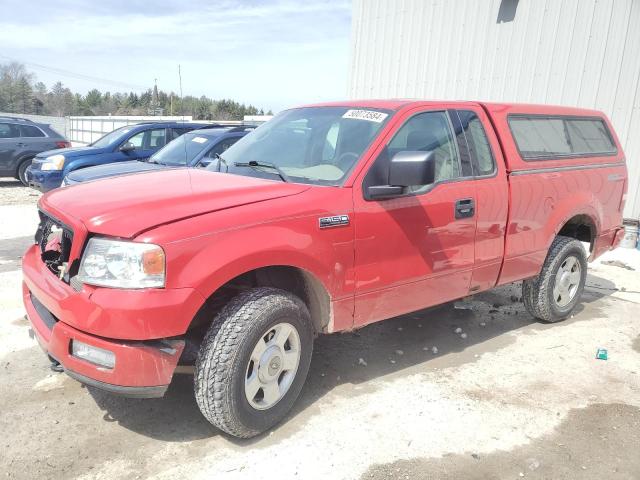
pixel 72 152
pixel 110 170
pixel 128 205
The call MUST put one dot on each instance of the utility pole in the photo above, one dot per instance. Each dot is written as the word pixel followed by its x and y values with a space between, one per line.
pixel 154 99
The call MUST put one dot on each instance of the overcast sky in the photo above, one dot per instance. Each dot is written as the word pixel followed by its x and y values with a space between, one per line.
pixel 273 54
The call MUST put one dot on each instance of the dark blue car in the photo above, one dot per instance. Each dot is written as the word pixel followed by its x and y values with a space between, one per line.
pixel 133 142
pixel 197 148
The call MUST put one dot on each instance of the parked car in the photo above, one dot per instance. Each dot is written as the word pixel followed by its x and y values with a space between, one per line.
pixel 197 148
pixel 133 142
pixel 329 218
pixel 21 140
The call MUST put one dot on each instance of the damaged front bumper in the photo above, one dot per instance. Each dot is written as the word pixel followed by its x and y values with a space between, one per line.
pixel 140 369
pixel 76 329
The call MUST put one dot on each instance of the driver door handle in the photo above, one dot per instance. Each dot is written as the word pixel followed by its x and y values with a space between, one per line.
pixel 465 208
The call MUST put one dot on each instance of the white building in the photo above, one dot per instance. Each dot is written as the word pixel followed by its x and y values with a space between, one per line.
pixel 567 52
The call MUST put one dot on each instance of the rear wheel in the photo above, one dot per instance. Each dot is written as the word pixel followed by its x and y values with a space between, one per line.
pixel 22 171
pixel 253 361
pixel 554 293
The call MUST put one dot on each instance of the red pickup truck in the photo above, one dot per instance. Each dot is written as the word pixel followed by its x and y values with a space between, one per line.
pixel 327 218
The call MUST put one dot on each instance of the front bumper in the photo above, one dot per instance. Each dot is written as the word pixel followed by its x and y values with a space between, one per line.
pixel 43 180
pixel 142 369
pixel 142 328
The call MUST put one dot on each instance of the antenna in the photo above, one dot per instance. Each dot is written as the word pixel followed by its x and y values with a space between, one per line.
pixel 181 102
pixel 184 141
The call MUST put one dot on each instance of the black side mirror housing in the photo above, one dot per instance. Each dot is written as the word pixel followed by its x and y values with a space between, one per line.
pixel 406 169
pixel 127 147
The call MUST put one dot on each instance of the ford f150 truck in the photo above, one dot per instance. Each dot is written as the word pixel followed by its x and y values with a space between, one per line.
pixel 325 219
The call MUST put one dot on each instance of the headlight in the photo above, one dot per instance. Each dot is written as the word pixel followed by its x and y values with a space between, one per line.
pixel 122 264
pixel 54 162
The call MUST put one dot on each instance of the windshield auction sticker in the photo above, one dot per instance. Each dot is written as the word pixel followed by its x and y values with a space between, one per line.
pixel 199 139
pixel 369 115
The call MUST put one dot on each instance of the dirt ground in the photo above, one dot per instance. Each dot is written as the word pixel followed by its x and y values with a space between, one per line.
pixel 511 399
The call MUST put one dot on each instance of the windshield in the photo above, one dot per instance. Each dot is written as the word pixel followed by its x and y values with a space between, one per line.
pixel 109 138
pixel 318 145
pixel 182 150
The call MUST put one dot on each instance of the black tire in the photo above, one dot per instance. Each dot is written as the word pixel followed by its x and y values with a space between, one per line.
pixel 22 171
pixel 221 366
pixel 538 293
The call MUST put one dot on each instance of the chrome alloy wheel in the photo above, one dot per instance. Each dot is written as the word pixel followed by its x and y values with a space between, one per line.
pixel 272 367
pixel 567 281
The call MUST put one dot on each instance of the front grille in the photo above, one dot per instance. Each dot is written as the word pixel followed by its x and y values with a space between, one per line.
pixel 54 239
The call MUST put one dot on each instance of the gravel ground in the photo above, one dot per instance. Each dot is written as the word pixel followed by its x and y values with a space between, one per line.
pixel 12 192
pixel 512 399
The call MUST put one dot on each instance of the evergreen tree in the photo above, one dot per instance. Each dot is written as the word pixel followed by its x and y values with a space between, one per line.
pixel 20 94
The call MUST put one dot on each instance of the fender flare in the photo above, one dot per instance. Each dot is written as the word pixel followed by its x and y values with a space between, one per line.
pixel 584 204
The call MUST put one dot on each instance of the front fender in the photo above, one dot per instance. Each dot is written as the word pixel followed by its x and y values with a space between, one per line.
pixel 207 251
pixel 226 255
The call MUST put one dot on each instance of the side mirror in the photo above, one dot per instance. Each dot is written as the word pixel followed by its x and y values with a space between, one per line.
pixel 205 162
pixel 406 169
pixel 127 147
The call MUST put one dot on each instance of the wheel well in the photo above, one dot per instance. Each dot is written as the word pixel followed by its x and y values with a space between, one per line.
pixel 22 161
pixel 291 279
pixel 581 228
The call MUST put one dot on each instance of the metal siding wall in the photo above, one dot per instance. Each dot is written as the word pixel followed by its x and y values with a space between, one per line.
pixel 567 52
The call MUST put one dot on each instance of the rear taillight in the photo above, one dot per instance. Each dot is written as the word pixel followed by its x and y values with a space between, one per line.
pixel 63 144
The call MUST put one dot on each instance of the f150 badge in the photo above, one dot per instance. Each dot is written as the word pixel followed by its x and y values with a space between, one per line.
pixel 336 221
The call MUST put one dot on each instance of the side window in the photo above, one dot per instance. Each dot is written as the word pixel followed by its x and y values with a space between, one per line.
pixel 220 147
pixel 148 140
pixel 429 131
pixel 477 142
pixel 589 136
pixel 542 137
pixel 137 140
pixel 30 131
pixel 8 130
pixel 539 137
pixel 157 139
pixel 176 132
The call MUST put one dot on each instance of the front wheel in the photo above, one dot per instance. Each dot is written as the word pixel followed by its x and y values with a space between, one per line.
pixel 253 361
pixel 554 293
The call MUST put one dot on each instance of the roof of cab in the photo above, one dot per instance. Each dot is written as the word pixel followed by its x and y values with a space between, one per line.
pixel 397 104
pixel 391 104
pixel 539 109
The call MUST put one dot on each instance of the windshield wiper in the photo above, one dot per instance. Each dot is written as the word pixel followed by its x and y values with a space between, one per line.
pixel 273 166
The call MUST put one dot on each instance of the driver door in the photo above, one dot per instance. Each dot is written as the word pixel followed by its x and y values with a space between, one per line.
pixel 415 250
